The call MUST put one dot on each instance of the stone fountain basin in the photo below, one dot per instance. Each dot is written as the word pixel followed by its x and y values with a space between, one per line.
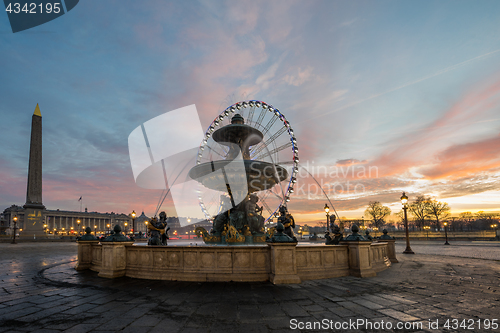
pixel 260 175
pixel 278 263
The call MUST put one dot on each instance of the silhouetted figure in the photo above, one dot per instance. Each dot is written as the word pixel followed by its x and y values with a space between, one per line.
pixel 334 237
pixel 288 222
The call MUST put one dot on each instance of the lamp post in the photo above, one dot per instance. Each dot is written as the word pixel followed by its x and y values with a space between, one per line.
pixel 426 227
pixel 404 201
pixel 108 227
pixel 78 222
pixel 133 221
pixel 45 229
pixel 327 210
pixel 126 224
pixel 15 228
pixel 495 230
pixel 146 223
pixel 95 230
pixel 446 233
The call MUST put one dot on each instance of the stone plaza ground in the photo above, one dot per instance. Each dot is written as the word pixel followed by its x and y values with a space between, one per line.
pixel 440 289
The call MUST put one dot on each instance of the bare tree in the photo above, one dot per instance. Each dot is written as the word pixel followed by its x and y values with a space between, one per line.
pixel 439 210
pixel 467 218
pixel 485 220
pixel 420 210
pixel 401 219
pixel 377 212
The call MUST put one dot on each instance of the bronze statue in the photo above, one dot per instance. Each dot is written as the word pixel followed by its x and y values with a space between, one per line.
pixel 255 220
pixel 334 237
pixel 159 235
pixel 164 234
pixel 332 222
pixel 288 222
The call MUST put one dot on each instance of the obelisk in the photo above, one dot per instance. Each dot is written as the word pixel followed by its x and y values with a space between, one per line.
pixel 33 208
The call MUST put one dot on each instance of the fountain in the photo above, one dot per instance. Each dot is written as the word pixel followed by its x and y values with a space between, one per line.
pixel 245 180
pixel 241 223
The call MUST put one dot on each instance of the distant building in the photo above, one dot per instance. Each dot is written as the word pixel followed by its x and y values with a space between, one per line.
pixel 61 222
pixel 67 223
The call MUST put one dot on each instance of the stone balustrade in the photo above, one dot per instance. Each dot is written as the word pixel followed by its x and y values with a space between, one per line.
pixel 278 263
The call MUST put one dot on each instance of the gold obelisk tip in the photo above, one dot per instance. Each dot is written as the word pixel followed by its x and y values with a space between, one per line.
pixel 37 111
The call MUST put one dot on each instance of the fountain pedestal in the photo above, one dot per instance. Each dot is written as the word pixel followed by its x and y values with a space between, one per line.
pixel 283 263
pixel 114 259
pixel 360 264
pixel 85 254
pixel 391 249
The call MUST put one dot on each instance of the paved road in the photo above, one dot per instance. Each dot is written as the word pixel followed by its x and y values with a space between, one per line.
pixel 464 249
pixel 41 292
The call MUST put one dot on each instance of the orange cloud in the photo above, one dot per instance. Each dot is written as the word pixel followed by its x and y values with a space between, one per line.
pixel 414 148
pixel 466 159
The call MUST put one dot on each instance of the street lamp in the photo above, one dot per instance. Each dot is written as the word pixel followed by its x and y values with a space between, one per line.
pixel 78 222
pixel 45 229
pixel 108 227
pixel 494 226
pixel 15 228
pixel 133 221
pixel 126 224
pixel 446 232
pixel 404 201
pixel 426 227
pixel 95 230
pixel 327 210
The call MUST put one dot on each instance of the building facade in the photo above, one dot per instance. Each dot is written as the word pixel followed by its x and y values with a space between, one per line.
pixel 61 222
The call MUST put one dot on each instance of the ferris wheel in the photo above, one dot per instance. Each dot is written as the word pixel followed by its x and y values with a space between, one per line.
pixel 278 146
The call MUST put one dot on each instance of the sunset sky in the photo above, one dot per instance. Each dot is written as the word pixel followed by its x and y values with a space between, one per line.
pixel 409 90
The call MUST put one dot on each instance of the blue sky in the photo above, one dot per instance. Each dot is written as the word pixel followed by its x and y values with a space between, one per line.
pixel 411 87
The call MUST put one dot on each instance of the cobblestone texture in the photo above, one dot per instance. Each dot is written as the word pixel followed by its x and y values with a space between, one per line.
pixel 41 292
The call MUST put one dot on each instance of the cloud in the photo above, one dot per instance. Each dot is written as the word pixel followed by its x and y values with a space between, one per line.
pixel 435 138
pixel 468 185
pixel 299 78
pixel 264 80
pixel 350 161
pixel 463 160
pixel 442 71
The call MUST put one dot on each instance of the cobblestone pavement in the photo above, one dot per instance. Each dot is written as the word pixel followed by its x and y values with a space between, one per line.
pixel 41 292
pixel 465 249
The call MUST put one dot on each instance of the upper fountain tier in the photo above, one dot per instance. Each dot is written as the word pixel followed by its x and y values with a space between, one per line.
pixel 260 175
pixel 240 134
